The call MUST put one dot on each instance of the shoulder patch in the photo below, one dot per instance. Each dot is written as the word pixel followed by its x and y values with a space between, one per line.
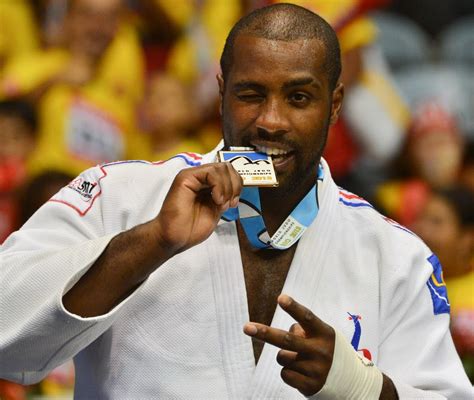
pixel 437 287
pixel 81 193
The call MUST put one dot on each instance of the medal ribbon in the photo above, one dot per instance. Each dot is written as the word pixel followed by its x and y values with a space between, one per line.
pixel 249 211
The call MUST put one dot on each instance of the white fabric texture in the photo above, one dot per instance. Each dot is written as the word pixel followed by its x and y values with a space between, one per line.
pixel 179 335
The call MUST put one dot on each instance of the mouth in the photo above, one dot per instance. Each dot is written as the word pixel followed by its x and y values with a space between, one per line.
pixel 281 156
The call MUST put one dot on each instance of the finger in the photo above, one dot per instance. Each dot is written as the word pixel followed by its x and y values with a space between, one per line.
pixel 306 365
pixel 224 182
pixel 306 385
pixel 285 357
pixel 277 337
pixel 213 177
pixel 296 329
pixel 237 183
pixel 308 321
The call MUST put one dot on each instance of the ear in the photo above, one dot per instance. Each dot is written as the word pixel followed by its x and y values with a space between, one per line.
pixel 220 82
pixel 337 97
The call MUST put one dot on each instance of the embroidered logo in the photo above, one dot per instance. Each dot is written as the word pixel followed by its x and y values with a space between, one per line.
pixel 437 287
pixel 83 187
pixel 356 336
pixel 81 193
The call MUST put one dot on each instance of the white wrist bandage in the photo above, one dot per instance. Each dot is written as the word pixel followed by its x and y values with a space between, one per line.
pixel 351 377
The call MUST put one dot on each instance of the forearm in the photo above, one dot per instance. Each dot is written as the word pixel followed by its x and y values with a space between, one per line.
pixel 126 262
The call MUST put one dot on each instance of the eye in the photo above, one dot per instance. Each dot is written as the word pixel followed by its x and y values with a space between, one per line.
pixel 250 97
pixel 299 98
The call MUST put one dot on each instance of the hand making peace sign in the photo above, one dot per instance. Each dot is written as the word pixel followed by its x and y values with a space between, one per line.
pixel 306 349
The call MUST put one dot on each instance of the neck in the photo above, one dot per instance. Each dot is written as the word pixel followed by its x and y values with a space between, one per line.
pixel 277 204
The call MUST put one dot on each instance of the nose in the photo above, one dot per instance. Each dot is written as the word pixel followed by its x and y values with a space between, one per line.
pixel 272 118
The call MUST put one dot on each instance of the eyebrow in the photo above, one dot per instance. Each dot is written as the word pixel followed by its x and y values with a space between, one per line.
pixel 302 82
pixel 247 85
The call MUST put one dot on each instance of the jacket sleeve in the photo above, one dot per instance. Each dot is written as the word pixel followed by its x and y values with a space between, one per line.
pixel 38 264
pixel 416 350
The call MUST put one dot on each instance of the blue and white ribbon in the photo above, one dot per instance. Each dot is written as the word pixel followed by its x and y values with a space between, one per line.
pixel 249 211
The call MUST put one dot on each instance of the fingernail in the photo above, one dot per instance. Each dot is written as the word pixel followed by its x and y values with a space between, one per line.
pixel 226 205
pixel 250 329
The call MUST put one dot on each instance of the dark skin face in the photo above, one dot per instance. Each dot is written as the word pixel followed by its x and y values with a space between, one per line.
pixel 277 96
pixel 92 25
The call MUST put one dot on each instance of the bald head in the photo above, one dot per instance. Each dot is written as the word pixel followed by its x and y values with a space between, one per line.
pixel 286 22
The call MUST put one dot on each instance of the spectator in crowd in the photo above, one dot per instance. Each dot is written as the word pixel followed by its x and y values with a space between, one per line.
pixel 17 140
pixel 170 117
pixel 467 169
pixel 86 92
pixel 38 191
pixel 446 224
pixel 158 31
pixel 194 57
pixel 431 158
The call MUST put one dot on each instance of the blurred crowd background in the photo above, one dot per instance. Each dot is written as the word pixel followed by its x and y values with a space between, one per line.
pixel 84 82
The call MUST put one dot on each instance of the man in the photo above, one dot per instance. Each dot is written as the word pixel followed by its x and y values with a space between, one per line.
pixel 131 270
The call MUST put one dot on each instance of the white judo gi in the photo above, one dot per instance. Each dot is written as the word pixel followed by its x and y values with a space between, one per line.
pixel 179 335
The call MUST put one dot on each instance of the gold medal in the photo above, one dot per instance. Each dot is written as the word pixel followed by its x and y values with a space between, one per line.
pixel 256 169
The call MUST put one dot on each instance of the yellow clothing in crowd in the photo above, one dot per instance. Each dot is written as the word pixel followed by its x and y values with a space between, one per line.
pixel 185 145
pixel 18 33
pixel 205 25
pixel 356 33
pixel 402 200
pixel 81 126
pixel 461 293
pixel 121 68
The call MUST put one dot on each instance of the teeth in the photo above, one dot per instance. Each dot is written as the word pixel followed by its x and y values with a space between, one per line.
pixel 270 151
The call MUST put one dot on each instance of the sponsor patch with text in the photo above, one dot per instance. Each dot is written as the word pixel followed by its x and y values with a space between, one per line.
pixel 82 191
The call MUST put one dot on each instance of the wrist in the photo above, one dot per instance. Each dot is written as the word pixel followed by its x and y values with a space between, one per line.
pixel 160 241
pixel 351 376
